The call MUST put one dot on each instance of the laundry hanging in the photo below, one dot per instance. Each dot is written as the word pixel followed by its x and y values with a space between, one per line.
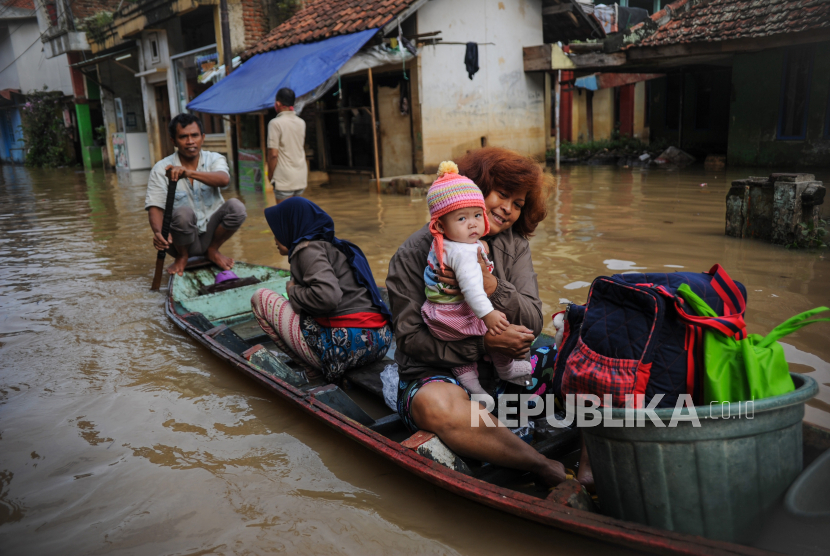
pixel 471 59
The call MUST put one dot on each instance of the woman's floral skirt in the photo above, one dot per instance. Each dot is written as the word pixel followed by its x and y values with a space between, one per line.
pixel 341 349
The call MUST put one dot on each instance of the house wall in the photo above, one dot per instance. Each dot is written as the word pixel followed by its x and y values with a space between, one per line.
pixel 31 69
pixel 255 22
pixel 579 115
pixel 603 105
pixel 755 106
pixel 501 103
pixel 603 113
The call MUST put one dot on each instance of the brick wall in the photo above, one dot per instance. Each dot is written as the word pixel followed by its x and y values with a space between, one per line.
pixel 83 9
pixel 255 19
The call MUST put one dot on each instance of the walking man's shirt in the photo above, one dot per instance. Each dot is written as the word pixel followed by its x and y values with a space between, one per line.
pixel 286 134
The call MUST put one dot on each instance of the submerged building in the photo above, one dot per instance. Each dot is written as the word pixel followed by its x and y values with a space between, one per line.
pixel 742 78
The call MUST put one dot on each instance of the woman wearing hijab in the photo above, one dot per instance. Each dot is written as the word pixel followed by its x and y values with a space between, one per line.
pixel 334 318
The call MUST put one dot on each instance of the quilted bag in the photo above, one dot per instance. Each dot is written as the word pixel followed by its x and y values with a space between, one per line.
pixel 634 336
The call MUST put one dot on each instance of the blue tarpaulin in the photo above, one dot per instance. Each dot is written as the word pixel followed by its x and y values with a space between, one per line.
pixel 301 68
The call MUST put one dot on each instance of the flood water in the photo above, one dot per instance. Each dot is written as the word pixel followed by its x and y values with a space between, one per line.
pixel 119 434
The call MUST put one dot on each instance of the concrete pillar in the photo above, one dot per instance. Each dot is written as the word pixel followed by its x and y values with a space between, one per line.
pixel 781 209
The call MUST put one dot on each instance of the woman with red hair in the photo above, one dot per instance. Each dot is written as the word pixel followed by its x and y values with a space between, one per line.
pixel 429 398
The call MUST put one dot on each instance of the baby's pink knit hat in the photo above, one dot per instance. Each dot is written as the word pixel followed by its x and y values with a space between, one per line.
pixel 450 192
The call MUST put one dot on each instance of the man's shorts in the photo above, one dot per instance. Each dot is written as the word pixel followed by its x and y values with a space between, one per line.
pixel 279 194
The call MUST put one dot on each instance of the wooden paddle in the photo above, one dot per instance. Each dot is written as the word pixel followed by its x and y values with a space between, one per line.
pixel 165 230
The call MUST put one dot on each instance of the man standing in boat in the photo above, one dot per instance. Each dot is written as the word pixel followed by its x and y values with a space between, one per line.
pixel 202 219
pixel 286 149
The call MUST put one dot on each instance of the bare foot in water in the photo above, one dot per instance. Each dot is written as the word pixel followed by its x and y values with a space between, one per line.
pixel 178 266
pixel 220 260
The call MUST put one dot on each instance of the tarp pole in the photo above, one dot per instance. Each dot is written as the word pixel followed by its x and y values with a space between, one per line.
pixel 374 129
pixel 227 56
pixel 238 143
pixel 680 117
pixel 265 180
pixel 556 110
pixel 548 109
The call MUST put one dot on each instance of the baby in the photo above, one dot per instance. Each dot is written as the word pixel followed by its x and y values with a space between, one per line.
pixel 458 222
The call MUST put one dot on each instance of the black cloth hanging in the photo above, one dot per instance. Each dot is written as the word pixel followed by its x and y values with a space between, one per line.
pixel 407 44
pixel 471 59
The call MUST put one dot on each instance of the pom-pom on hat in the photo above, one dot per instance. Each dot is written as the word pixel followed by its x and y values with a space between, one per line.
pixel 449 192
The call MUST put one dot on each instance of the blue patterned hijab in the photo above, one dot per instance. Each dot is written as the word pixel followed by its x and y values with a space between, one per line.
pixel 297 219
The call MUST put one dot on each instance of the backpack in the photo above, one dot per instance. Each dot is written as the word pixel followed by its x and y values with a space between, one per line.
pixel 636 335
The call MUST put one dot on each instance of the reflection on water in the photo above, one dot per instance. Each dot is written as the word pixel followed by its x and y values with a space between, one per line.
pixel 119 434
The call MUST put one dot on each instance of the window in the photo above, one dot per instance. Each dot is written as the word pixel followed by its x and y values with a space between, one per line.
pixel 795 93
pixel 153 39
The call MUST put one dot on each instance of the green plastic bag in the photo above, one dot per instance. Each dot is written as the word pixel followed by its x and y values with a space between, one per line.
pixel 749 369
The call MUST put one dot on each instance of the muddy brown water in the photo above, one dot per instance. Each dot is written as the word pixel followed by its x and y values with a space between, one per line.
pixel 119 434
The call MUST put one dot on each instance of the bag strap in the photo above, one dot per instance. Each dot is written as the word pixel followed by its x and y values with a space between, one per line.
pixel 791 325
pixel 733 301
pixel 732 326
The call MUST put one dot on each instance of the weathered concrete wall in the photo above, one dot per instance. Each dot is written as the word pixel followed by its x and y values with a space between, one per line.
pixel 603 113
pixel 579 116
pixel 25 64
pixel 753 123
pixel 395 134
pixel 502 103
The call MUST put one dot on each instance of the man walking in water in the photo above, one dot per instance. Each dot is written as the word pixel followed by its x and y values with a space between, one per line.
pixel 202 219
pixel 286 149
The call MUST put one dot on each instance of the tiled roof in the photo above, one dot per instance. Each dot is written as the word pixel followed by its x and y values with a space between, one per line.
pixel 22 4
pixel 322 19
pixel 688 21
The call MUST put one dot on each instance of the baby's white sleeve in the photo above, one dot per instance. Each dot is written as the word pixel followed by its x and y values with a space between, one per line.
pixel 463 260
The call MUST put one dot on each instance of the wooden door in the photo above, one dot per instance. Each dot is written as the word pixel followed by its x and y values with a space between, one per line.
pixel 626 113
pixel 163 114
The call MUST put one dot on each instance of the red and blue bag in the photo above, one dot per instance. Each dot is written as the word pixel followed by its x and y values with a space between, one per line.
pixel 635 335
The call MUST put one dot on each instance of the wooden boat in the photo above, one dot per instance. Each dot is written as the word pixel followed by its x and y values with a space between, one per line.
pixel 223 322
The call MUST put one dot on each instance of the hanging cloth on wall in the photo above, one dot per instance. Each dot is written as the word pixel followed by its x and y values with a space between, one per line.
pixel 471 59
pixel 403 100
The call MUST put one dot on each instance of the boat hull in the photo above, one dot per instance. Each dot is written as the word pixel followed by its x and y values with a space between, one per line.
pixel 544 511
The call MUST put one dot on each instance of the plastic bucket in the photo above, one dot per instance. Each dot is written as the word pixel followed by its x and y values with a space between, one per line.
pixel 716 480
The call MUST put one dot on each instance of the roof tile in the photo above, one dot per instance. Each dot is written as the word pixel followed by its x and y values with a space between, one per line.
pixel 327 18
pixel 720 20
